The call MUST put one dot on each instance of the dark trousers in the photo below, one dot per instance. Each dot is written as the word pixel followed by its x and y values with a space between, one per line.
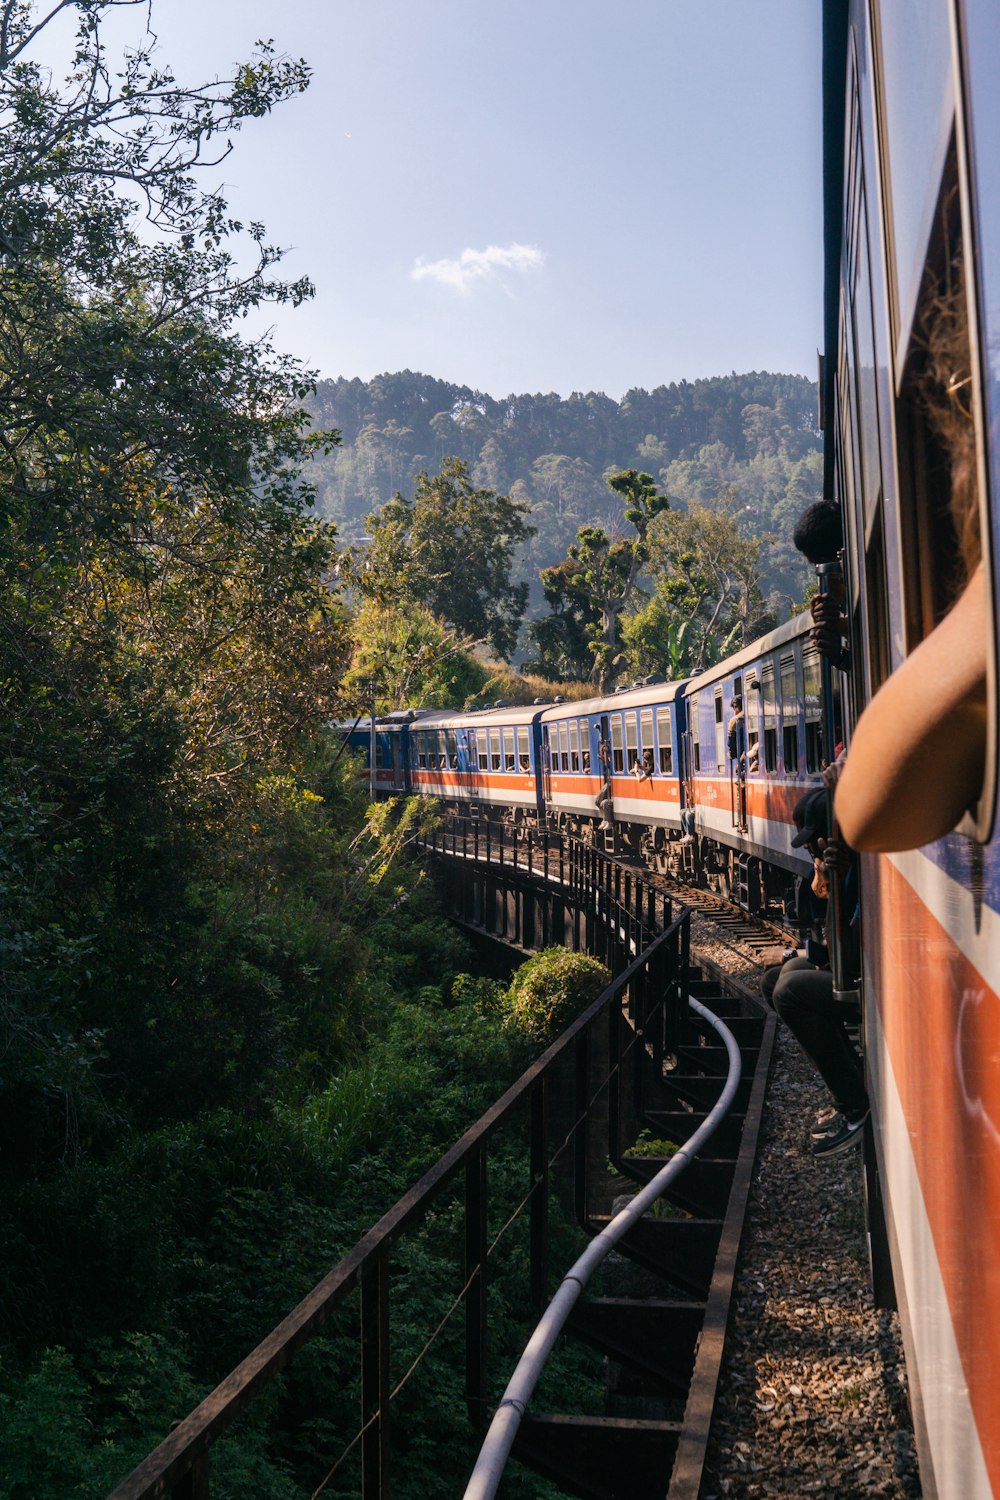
pixel 802 996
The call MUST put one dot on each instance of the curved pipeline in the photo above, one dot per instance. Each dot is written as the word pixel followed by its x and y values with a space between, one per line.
pixel 502 1431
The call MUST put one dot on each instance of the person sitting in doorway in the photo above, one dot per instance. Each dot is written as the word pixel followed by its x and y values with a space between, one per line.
pixel 801 992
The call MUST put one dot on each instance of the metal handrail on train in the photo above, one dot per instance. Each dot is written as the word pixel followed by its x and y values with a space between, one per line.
pixel 502 1432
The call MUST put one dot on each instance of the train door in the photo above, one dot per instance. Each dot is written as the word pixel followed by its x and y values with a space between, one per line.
pixel 736 744
pixel 472 779
pixel 605 754
pixel 546 767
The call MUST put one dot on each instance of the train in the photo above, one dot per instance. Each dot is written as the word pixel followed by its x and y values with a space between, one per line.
pixel 911 193
pixel 666 771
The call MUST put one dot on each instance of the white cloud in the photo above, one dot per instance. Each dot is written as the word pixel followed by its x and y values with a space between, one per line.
pixel 479 265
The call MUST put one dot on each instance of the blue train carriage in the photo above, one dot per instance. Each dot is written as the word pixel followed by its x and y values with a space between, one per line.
pixel 616 761
pixel 744 774
pixel 485 762
pixel 912 244
pixel 391 776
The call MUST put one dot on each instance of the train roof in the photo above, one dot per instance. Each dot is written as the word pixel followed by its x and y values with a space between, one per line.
pixel 792 630
pixel 450 718
pixel 637 697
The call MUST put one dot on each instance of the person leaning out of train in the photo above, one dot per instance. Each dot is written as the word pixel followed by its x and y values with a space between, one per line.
pixel 643 768
pixel 819 536
pixel 735 731
pixel 801 989
pixel 918 752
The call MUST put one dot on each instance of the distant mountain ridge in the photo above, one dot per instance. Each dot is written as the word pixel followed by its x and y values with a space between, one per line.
pixel 747 441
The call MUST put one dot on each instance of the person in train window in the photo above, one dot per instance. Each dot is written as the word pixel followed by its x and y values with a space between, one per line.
pixel 525 763
pixel 643 768
pixel 734 728
pixel 918 753
pixel 801 989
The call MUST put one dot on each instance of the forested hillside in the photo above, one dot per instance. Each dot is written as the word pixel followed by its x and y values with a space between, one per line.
pixel 747 444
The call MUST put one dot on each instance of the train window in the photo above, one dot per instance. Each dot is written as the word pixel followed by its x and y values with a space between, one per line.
pixel 720 731
pixel 646 729
pixel 695 732
pixel 664 741
pixel 422 751
pixel 523 748
pixel 812 683
pixel 562 758
pixel 617 744
pixel 770 707
pixel 484 750
pixel 584 744
pixel 752 707
pixel 574 745
pixel 509 763
pixel 452 743
pixel 915 55
pixel 379 753
pixel 631 741
pixel 495 761
pixel 789 716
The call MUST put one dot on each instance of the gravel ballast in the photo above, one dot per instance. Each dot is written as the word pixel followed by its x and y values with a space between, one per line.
pixel 812 1397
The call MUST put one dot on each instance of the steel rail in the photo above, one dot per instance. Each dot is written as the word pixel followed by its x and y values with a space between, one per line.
pixel 502 1432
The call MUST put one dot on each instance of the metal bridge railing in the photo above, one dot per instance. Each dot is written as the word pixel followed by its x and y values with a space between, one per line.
pixel 571 1112
pixel 499 1441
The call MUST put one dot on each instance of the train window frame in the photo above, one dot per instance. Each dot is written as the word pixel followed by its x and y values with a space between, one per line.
pixel 751 701
pixel 694 732
pixel 617 744
pixel 769 716
pixel 585 756
pixel 451 739
pixel 812 708
pixel 631 740
pixel 665 742
pixel 509 757
pixel 523 749
pixel 720 730
pixel 788 689
pixel 483 749
pixel 574 745
pixel 646 733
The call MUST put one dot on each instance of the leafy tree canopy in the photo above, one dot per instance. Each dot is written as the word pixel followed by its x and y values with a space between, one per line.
pixel 451 547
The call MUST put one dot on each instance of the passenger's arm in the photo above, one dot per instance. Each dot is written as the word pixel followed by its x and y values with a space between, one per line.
pixel 916 759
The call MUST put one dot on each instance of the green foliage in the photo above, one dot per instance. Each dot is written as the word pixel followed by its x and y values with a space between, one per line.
pixel 550 990
pixel 752 434
pixel 413 659
pixel 647 1144
pixel 450 548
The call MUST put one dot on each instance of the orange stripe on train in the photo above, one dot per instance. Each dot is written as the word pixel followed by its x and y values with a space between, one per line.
pixel 939 1018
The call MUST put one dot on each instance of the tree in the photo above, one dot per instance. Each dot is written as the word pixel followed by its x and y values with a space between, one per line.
pixel 452 549
pixel 560 642
pixel 167 637
pixel 599 577
pixel 411 658
pixel 707 598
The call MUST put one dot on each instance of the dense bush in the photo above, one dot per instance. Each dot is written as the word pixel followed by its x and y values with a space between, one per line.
pixel 550 990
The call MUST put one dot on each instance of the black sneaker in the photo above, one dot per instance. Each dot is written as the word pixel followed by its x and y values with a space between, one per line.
pixel 841 1134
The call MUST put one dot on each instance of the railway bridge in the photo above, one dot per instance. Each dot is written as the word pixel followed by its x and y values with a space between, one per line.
pixel 537 1177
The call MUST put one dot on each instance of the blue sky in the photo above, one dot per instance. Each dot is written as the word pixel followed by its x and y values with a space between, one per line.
pixel 539 194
